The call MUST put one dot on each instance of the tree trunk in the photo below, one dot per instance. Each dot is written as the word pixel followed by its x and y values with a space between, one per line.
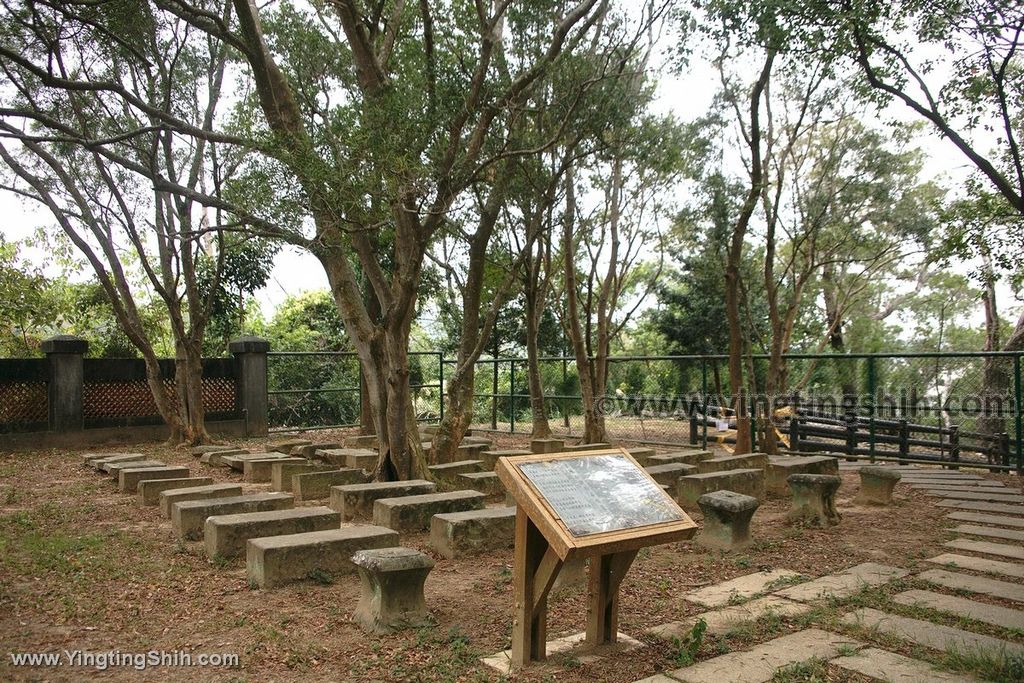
pixel 996 373
pixel 541 429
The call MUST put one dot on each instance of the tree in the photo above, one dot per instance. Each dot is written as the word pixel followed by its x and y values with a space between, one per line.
pixel 90 90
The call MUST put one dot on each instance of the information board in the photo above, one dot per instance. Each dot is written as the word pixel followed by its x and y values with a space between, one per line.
pixel 599 493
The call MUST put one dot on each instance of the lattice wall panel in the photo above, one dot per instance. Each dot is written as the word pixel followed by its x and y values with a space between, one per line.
pixel 23 402
pixel 134 399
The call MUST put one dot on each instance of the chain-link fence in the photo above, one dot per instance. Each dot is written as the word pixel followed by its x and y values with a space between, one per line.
pixel 918 406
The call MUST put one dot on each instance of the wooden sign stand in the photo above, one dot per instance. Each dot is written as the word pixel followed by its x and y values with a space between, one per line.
pixel 543 543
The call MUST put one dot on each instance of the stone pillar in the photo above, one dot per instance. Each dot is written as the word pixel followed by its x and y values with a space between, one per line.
pixel 64 354
pixel 814 498
pixel 726 519
pixel 392 589
pixel 251 382
pixel 876 485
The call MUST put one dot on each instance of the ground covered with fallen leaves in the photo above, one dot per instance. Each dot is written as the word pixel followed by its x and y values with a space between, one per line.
pixel 83 567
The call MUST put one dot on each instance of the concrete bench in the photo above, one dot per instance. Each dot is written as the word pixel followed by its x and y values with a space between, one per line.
pixel 781 466
pixel 581 447
pixel 391 596
pixel 97 460
pixel 281 473
pixel 733 462
pixel 149 489
pixel 547 445
pixel 189 517
pixel 461 534
pixel 199 451
pixel 308 450
pixel 128 479
pixel 490 458
pixel 486 483
pixel 685 457
pixel 467 452
pixel 876 485
pixel 219 458
pixel 113 468
pixel 355 501
pixel 237 462
pixel 643 456
pixel 316 485
pixel 321 555
pixel 225 536
pixel 259 471
pixel 413 513
pixel 285 446
pixel 449 470
pixel 477 441
pixel 814 498
pixel 691 487
pixel 726 519
pixel 669 474
pixel 360 458
pixel 199 492
pixel 362 441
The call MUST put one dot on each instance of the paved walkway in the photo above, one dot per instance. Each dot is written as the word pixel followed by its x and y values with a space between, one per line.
pixel 978 585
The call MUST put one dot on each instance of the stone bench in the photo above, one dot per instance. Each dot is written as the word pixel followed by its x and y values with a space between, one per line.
pixel 128 479
pixel 413 513
pixel 97 460
pixel 693 486
pixel 727 517
pixel 781 466
pixel 309 450
pixel 285 446
pixel 259 471
pixel 237 462
pixel 582 447
pixel 320 555
pixel 189 517
pixel 225 536
pixel 733 462
pixel 220 458
pixel 355 501
pixel 316 485
pixel 362 441
pixel 149 489
pixel 643 456
pixel 461 534
pixel 450 470
pixel 467 452
pixel 281 473
pixel 391 596
pixel 199 492
pixel 876 485
pixel 113 468
pixel 199 451
pixel 490 458
pixel 669 474
pixel 356 458
pixel 487 483
pixel 814 498
pixel 547 445
pixel 685 457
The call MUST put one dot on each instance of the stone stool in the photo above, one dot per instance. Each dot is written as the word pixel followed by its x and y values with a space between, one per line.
pixel 814 498
pixel 726 519
pixel 392 589
pixel 876 485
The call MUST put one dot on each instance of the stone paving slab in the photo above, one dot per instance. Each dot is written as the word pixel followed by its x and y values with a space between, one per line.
pixel 1004 617
pixel 759 664
pixel 981 507
pixel 979 495
pixel 723 619
pixel 882 665
pixel 934 636
pixel 978 564
pixel 1013 551
pixel 502 661
pixel 974 584
pixel 739 588
pixel 948 489
pixel 986 519
pixel 844 583
pixel 949 481
pixel 991 532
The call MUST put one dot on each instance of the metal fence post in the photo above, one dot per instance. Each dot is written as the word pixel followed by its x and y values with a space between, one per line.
pixel 872 388
pixel 511 397
pixel 704 401
pixel 1018 427
pixel 494 394
pixel 440 384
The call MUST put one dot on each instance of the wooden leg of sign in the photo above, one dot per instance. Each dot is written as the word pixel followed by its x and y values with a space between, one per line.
pixel 606 574
pixel 534 572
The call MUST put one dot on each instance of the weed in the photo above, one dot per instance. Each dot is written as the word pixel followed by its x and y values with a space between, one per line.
pixel 846 650
pixel 814 670
pixel 688 646
pixel 221 562
pixel 743 562
pixel 324 578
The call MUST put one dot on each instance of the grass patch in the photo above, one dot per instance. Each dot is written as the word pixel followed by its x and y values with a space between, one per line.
pixel 989 666
pixel 814 670
pixel 686 648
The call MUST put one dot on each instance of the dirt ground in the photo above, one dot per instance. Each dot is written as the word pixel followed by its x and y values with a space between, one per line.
pixel 83 567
